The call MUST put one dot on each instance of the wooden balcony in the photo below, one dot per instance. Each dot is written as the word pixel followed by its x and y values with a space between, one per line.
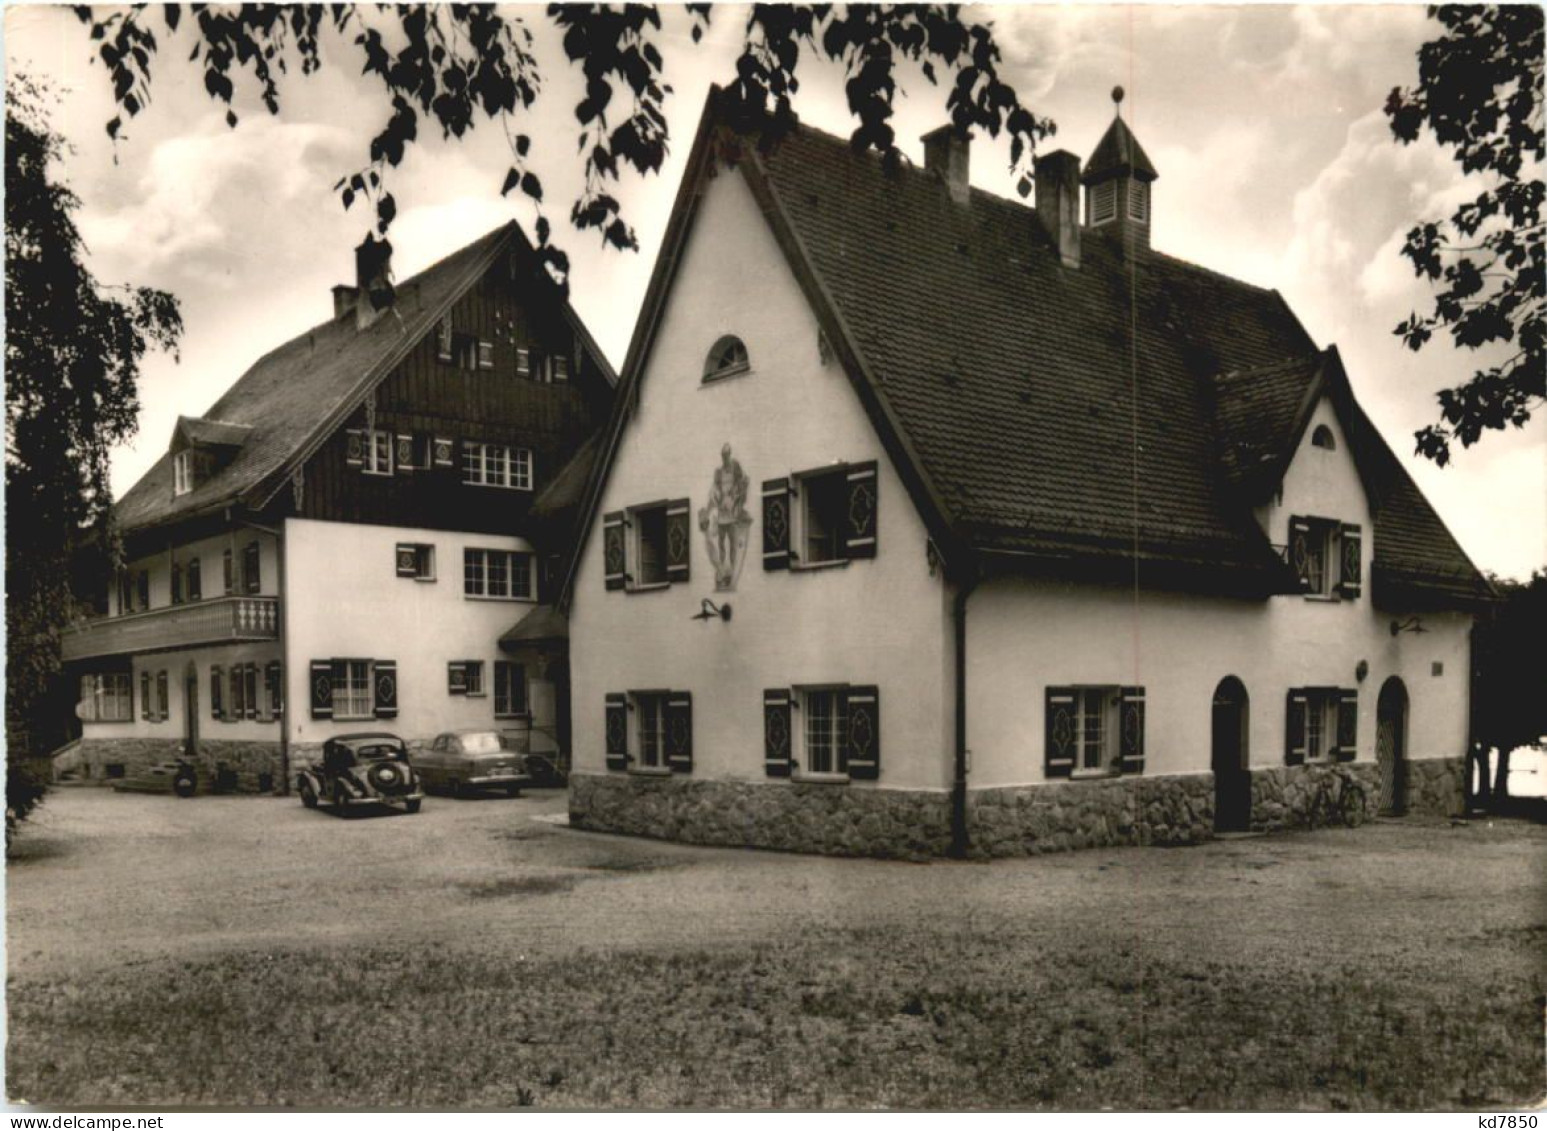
pixel 218 621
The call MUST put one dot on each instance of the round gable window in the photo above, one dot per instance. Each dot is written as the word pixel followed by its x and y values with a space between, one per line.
pixel 726 358
pixel 1323 438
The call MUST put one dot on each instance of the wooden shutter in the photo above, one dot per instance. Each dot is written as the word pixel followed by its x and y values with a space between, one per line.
pixel 485 355
pixel 1300 550
pixel 1351 564
pixel 407 560
pixel 163 696
pixel 1294 727
pixel 614 551
pixel 1130 722
pixel 444 448
pixel 859 517
pixel 861 754
pixel 404 456
pixel 777 758
pixel 617 730
pixel 228 567
pixel 384 680
pixel 456 678
pixel 443 339
pixel 238 705
pixel 1061 740
pixel 776 524
pixel 195 582
pixel 1347 726
pixel 276 688
pixel 679 731
pixel 252 565
pixel 322 689
pixel 250 690
pixel 354 447
pixel 216 687
pixel 523 362
pixel 145 712
pixel 678 540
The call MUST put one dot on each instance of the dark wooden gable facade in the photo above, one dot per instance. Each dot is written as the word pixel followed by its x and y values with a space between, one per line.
pixel 498 380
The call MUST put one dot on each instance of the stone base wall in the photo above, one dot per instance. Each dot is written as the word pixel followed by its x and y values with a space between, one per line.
pixel 1298 797
pixel 237 766
pixel 834 820
pixel 1435 787
pixel 1057 816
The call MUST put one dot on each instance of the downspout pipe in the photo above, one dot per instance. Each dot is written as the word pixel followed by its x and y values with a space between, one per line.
pixel 961 841
pixel 278 533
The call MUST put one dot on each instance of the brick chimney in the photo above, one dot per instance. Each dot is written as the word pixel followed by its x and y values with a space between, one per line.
pixel 373 275
pixel 947 153
pixel 344 299
pixel 1058 202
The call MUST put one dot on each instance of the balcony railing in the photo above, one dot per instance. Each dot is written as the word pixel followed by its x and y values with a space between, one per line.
pixel 216 621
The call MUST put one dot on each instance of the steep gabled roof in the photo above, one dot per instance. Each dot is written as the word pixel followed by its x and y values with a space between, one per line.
pixel 1259 414
pixel 1036 413
pixel 298 394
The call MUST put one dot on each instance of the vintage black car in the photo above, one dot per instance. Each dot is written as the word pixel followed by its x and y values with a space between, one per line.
pixel 362 769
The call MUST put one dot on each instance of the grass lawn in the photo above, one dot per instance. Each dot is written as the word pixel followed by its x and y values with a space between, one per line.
pixel 1266 974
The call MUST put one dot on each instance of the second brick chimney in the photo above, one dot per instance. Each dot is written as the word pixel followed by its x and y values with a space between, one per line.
pixel 947 153
pixel 1058 202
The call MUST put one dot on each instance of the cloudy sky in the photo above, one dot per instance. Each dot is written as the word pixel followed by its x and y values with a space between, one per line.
pixel 1275 164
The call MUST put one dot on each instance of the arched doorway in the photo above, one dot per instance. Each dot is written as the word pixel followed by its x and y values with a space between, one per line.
pixel 1391 746
pixel 1231 758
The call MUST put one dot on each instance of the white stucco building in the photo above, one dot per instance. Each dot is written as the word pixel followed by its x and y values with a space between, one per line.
pixel 361 533
pixel 927 521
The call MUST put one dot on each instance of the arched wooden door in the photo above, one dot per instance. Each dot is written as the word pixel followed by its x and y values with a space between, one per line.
pixel 1391 746
pixel 1231 759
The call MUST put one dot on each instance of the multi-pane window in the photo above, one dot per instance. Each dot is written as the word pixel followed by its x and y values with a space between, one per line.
pixel 650 546
pixel 195 582
pixel 558 368
pixel 252 575
pixel 650 710
pixel 163 696
pixel 177 584
pixel 107 697
pixel 273 691
pixel 474 677
pixel 182 472
pixel 352 689
pixel 824 507
pixel 497 465
pixel 378 453
pixel 1327 555
pixel 497 573
pixel 1323 724
pixel 1096 727
pixel 726 357
pixel 523 362
pixel 228 571
pixel 509 689
pixel 825 729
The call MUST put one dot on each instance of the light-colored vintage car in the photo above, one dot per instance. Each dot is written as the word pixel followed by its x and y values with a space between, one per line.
pixel 462 761
pixel 362 769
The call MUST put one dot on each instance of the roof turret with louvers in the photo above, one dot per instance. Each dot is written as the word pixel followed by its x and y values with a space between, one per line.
pixel 1117 182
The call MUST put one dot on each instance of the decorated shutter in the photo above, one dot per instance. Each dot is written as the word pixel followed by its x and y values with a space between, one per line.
pixel 859 519
pixel 614 554
pixel 145 711
pixel 1130 721
pixel 617 730
pixel 861 754
pixel 456 678
pixel 679 731
pixel 777 759
pixel 443 339
pixel 250 690
pixel 1294 728
pixel 216 696
pixel 776 524
pixel 354 447
pixel 384 679
pixel 1350 568
pixel 1348 726
pixel 1059 751
pixel 322 689
pixel 1300 550
pixel 678 541
pixel 404 456
pixel 407 560
pixel 444 449
pixel 485 355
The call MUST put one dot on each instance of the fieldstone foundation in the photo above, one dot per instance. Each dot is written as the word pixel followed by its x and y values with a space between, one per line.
pixel 230 765
pixel 842 820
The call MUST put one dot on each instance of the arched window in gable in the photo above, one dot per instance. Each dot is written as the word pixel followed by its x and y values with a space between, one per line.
pixel 726 358
pixel 1323 438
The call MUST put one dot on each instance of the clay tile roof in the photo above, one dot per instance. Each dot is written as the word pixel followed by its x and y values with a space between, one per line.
pixel 542 624
pixel 1117 152
pixel 1255 413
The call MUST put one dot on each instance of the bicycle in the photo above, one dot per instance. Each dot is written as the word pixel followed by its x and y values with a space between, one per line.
pixel 1338 800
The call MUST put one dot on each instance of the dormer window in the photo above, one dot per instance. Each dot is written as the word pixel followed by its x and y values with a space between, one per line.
pixel 727 358
pixel 1323 438
pixel 182 472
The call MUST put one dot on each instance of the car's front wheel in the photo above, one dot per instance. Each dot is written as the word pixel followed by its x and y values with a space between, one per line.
pixel 308 794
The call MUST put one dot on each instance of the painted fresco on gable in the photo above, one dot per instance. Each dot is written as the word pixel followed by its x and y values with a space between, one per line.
pixel 726 523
